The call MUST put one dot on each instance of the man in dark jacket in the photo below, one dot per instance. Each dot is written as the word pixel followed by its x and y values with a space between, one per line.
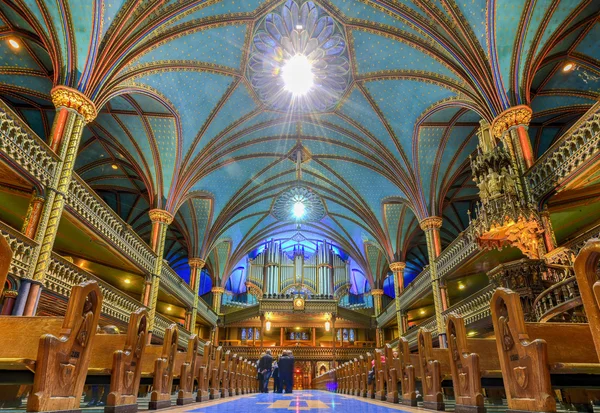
pixel 286 370
pixel 265 365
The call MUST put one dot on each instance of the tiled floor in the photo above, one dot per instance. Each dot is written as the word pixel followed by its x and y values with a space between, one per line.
pixel 306 400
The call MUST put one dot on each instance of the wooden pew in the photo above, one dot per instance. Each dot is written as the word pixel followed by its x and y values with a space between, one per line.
pixel 393 373
pixel 189 371
pixel 355 377
pixel 225 372
pixel 253 374
pixel 204 372
pixel 380 375
pixel 216 373
pixel 407 373
pixel 371 387
pixel 235 377
pixel 55 350
pixel 5 259
pixel 434 365
pixel 362 377
pixel 119 356
pixel 585 266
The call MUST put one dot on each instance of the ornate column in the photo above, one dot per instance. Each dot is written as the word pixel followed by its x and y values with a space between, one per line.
pixel 549 238
pixel 431 226
pixel 334 338
pixel 10 297
pixel 377 293
pixel 314 337
pixel 281 336
pixel 196 265
pixel 160 222
pixel 217 294
pixel 262 331
pixel 33 215
pixel 516 120
pixel 74 110
pixel 398 270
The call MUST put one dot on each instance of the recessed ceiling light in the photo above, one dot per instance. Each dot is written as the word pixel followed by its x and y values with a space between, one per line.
pixel 422 312
pixel 13 43
pixel 568 67
pixel 461 286
pixel 472 333
pixel 127 281
pixel 169 308
pixel 114 166
pixel 299 27
pixel 297 75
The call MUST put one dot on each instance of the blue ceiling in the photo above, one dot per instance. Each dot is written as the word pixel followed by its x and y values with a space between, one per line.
pixel 183 127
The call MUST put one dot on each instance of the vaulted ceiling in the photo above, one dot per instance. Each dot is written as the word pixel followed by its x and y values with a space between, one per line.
pixel 189 123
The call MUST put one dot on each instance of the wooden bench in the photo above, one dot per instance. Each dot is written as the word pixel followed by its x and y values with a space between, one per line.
pixel 380 375
pixel 392 375
pixel 586 264
pixel 189 370
pixel 216 373
pixel 434 366
pixel 225 373
pixel 234 376
pixel 406 373
pixel 361 375
pixel 204 371
pixel 53 352
pixel 118 358
pixel 531 359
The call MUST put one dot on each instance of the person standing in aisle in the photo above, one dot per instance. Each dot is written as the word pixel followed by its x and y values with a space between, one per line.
pixel 265 366
pixel 276 382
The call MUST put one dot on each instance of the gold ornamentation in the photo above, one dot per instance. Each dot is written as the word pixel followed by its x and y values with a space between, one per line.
pixel 515 116
pixel 160 215
pixel 11 294
pixel 196 263
pixel 376 292
pixel 430 223
pixel 63 96
pixel 217 290
pixel 397 266
pixel 299 304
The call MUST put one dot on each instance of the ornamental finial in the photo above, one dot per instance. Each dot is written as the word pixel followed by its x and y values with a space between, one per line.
pixel 66 97
pixel 430 223
pixel 160 215
pixel 511 117
pixel 397 266
pixel 196 263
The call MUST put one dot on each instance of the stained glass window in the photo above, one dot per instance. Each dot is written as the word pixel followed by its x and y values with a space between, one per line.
pixel 352 335
pixel 250 332
pixel 339 335
pixel 243 334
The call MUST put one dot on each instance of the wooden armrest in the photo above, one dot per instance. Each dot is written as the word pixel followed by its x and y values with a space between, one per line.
pixel 575 368
pixel 17 364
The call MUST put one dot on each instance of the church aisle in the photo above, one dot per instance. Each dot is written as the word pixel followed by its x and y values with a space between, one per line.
pixel 307 400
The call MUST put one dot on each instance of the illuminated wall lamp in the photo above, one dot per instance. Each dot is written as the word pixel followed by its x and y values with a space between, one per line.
pixel 268 325
pixel 327 325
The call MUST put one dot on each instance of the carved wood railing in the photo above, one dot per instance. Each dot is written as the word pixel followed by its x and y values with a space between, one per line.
pixel 303 353
pixel 557 299
pixel 387 315
pixel 457 252
pixel 576 147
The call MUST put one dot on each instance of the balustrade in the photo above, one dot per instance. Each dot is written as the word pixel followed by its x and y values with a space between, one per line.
pixel 303 353
pixel 22 248
pixel 558 300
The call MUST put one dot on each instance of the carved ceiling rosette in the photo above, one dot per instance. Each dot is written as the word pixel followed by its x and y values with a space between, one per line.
pixel 299 28
pixel 283 206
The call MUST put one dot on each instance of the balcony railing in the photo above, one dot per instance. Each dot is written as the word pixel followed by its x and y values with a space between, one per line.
pixel 576 147
pixel 302 353
pixel 387 315
pixel 459 250
pixel 558 299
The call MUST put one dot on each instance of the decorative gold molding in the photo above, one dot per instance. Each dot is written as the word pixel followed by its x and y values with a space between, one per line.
pixel 430 223
pixel 11 293
pixel 160 215
pixel 397 266
pixel 376 292
pixel 511 117
pixel 217 290
pixel 63 96
pixel 196 263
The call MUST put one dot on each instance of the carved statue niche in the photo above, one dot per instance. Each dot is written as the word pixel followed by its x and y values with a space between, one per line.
pixel 508 183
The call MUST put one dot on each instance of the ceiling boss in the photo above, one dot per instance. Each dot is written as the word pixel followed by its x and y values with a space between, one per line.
pixel 299 59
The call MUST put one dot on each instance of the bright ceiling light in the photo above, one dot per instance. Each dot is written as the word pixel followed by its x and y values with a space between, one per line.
pixel 422 312
pixel 268 325
pixel 327 325
pixel 114 166
pixel 461 286
pixel 127 281
pixel 568 67
pixel 14 44
pixel 297 75
pixel 298 210
pixel 169 308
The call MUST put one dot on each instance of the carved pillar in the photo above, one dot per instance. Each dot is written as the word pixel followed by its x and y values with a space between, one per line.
pixel 10 297
pixel 377 293
pixel 281 336
pixel 74 110
pixel 33 215
pixel 549 238
pixel 314 337
pixel 404 318
pixel 217 294
pixel 161 220
pixel 262 331
pixel 196 265
pixel 334 338
pixel 432 226
pixel 398 270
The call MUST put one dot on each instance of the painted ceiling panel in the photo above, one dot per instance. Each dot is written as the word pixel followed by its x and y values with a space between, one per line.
pixel 220 45
pixel 194 94
pixel 374 53
pixel 10 57
pixel 542 102
pixel 363 11
pixel 33 85
pixel 110 8
pixel 165 135
pixel 475 14
pixel 589 44
pixel 210 8
pixel 403 102
pixel 82 28
pixel 429 141
pixel 562 11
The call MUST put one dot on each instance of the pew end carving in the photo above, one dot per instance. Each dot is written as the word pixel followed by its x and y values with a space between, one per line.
pixel 392 375
pixel 524 362
pixel 431 372
pixel 204 373
pixel 586 266
pixel 189 369
pixel 407 374
pixel 164 367
pixel 215 374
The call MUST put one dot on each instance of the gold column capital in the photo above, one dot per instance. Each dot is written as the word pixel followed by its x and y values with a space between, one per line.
pixel 196 263
pixel 160 215
pixel 66 97
pixel 511 117
pixel 376 292
pixel 10 294
pixel 397 266
pixel 430 223
pixel 217 290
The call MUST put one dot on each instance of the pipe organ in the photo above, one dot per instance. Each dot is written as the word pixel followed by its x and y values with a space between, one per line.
pixel 321 272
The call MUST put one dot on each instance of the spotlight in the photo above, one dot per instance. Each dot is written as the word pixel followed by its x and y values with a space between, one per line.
pixel 169 308
pixel 422 312
pixel 327 325
pixel 472 333
pixel 461 286
pixel 298 210
pixel 268 325
pixel 14 44
pixel 297 75
pixel 127 281
pixel 114 166
pixel 568 67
